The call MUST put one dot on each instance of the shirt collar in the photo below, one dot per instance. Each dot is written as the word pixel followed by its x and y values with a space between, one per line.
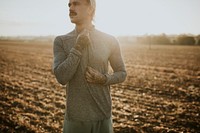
pixel 91 28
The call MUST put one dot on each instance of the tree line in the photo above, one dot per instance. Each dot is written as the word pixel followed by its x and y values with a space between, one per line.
pixel 183 39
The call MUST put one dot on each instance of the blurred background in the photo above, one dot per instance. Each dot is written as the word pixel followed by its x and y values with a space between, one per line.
pixel 130 17
pixel 160 44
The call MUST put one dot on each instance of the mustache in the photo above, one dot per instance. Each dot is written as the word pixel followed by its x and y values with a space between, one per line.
pixel 72 13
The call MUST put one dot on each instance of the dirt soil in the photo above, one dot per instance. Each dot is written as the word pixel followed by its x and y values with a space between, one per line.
pixel 161 93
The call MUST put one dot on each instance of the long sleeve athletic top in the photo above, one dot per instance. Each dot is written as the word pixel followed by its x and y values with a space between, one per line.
pixel 87 101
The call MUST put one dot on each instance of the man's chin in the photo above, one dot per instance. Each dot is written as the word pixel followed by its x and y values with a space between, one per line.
pixel 73 21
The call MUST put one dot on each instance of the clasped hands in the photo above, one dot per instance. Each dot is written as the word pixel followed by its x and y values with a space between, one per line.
pixel 94 76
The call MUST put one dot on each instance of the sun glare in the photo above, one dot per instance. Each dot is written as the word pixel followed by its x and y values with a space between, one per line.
pixel 130 17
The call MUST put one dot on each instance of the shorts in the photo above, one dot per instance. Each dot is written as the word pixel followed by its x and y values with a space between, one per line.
pixel 102 126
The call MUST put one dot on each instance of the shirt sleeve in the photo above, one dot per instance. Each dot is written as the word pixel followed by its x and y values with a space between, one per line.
pixel 119 73
pixel 65 64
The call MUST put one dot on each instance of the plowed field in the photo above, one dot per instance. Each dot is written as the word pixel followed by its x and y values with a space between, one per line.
pixel 161 92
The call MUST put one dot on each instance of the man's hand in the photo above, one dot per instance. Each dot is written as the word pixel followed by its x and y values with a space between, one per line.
pixel 94 76
pixel 82 40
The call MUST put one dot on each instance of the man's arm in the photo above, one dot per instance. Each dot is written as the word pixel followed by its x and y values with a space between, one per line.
pixel 119 73
pixel 65 64
pixel 117 64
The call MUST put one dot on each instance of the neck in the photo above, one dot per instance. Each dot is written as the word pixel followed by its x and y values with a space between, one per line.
pixel 80 27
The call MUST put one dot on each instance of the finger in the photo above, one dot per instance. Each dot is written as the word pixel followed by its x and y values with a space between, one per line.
pixel 91 76
pixel 88 69
pixel 89 79
pixel 88 75
pixel 94 73
pixel 92 70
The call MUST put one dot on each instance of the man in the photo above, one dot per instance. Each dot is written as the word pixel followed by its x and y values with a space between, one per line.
pixel 81 60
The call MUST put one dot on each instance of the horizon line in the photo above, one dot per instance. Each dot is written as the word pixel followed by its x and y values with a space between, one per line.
pixel 145 34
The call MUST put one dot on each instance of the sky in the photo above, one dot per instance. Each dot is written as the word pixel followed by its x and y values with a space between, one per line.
pixel 116 17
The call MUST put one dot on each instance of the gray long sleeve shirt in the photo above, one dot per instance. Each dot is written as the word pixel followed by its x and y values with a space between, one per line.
pixel 86 101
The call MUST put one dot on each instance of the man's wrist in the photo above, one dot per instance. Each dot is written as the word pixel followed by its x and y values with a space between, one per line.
pixel 75 51
pixel 104 78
